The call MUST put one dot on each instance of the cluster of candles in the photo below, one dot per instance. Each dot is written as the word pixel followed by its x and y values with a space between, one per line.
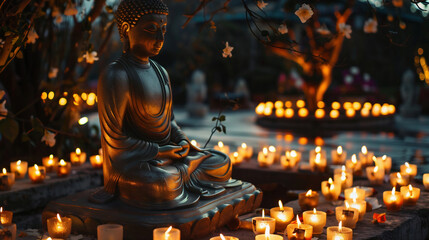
pixel 287 109
pixel 37 174
pixel 243 152
pixel 6 222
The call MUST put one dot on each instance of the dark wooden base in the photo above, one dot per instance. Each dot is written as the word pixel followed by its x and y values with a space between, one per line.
pixel 194 222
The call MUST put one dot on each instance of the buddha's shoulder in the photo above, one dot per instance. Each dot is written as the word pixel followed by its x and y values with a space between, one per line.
pixel 114 72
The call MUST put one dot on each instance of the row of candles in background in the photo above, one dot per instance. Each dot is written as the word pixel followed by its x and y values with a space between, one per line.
pixel 37 174
pixel 287 109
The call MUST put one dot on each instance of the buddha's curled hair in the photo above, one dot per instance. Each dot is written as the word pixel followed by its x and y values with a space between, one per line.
pixel 131 11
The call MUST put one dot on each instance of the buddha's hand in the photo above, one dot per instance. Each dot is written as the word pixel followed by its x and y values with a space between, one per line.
pixel 185 148
pixel 169 152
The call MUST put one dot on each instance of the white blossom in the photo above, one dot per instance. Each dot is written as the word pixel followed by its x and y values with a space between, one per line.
pixel 282 28
pixel 49 138
pixel 262 4
pixel 304 12
pixel 53 73
pixel 323 30
pixel 370 26
pixel 345 29
pixel 70 10
pixel 227 50
pixel 32 36
pixel 90 57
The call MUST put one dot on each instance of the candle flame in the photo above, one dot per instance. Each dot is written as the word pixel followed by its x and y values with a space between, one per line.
pixel 314 211
pixel 393 196
pixel 49 238
pixel 340 226
pixel 4 171
pixel 243 145
pixel 222 237
pixel 343 168
pixel 194 143
pixel 374 159
pixel 78 151
pixel 398 175
pixel 267 232
pixel 407 164
pixel 220 144
pixel 343 176
pixel 339 150
pixel 298 222
pixel 353 194
pixel 330 181
pixel 281 205
pixel 364 150
pixel 293 153
pixel 169 230
pixel 309 193
pixel 347 205
pixel 58 217
pixel 384 157
pixel 272 149
pixel 1 209
pixel 375 169
pixel 235 154
pixel 263 213
pixel 62 162
pixel 354 161
pixel 331 184
pixel 51 156
pixel 36 167
pixel 97 157
pixel 318 149
pixel 393 190
pixel 19 162
pixel 410 187
pixel 317 160
pixel 265 151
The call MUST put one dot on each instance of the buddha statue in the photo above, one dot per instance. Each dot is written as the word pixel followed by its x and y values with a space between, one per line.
pixel 148 160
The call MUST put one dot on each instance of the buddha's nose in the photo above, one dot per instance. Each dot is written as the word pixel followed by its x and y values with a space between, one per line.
pixel 160 36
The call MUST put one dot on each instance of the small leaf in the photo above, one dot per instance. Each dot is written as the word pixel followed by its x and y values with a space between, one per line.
pixel 218 129
pixel 224 129
pixel 222 118
pixel 214 119
pixel 9 128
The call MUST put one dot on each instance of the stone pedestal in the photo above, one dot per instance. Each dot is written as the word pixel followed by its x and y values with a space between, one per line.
pixel 194 222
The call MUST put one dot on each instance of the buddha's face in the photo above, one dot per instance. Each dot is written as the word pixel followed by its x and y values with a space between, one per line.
pixel 147 36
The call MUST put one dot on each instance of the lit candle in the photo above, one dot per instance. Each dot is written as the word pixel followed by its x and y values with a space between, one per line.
pixel 19 168
pixel 426 180
pixel 282 215
pixel 275 152
pixel 354 165
pixel 37 174
pixel 59 227
pixel 236 158
pixel 365 157
pixel 339 233
pixel 6 180
pixel 222 237
pixel 338 156
pixel 393 200
pixel 308 200
pixel 298 231
pixel 96 161
pixel 344 176
pixel 409 169
pixel 290 160
pixel 63 169
pixel 357 193
pixel 245 151
pixel 349 216
pixel 410 194
pixel 360 205
pixel 78 157
pixel 260 224
pixel 331 190
pixel 386 162
pixel 5 217
pixel 397 180
pixel 110 232
pixel 375 175
pixel 317 219
pixel 50 163
pixel 265 158
pixel 193 143
pixel 318 159
pixel 268 235
pixel 165 233
pixel 222 148
pixel 10 228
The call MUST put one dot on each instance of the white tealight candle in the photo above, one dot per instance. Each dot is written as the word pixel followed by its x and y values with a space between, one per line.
pixel 365 157
pixel 339 233
pixel 259 224
pixel 222 147
pixel 165 233
pixel 282 215
pixel 110 231
pixel 409 169
pixel 338 156
pixel 268 236
pixel 19 168
pixel 317 219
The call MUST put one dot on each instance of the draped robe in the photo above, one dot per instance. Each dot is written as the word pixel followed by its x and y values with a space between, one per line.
pixel 135 110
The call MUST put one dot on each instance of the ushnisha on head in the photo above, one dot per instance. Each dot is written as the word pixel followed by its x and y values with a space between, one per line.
pixel 130 11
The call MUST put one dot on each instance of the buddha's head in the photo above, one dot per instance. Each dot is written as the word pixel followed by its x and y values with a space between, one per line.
pixel 142 25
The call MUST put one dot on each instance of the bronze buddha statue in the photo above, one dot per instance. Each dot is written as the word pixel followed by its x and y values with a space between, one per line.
pixel 148 160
